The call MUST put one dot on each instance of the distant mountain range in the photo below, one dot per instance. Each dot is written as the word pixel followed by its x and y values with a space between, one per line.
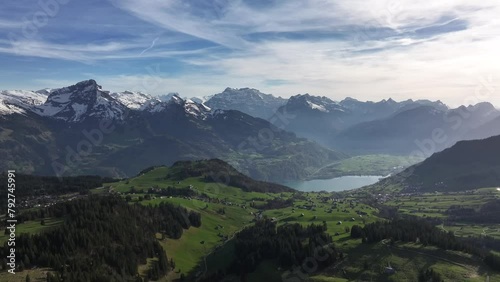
pixel 83 129
pixel 246 100
pixel 467 165
pixel 38 127
pixel 387 126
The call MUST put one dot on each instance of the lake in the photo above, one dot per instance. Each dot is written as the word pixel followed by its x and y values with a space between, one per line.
pixel 334 184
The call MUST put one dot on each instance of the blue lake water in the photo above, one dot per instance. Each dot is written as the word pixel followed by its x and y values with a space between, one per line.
pixel 334 184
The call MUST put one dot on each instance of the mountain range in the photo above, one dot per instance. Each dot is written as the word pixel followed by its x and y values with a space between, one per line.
pixel 387 126
pixel 246 100
pixel 83 129
pixel 42 131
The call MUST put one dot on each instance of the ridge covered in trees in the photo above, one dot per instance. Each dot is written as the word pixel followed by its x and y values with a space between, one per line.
pixel 216 170
pixel 103 239
pixel 291 245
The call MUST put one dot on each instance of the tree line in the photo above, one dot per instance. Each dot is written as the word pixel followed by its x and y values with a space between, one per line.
pixel 420 230
pixel 103 239
pixel 34 186
pixel 290 245
pixel 487 213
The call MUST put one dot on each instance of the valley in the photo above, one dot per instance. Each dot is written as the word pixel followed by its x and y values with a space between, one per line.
pixel 226 210
pixel 382 165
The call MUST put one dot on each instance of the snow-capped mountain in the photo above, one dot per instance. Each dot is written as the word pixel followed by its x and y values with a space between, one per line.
pixel 189 107
pixel 167 97
pixel 45 91
pixel 20 101
pixel 246 100
pixel 87 99
pixel 81 101
pixel 148 132
pixel 195 109
pixel 308 102
pixel 135 100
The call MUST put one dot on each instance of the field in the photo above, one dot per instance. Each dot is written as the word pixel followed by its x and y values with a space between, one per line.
pixel 36 275
pixel 366 165
pixel 30 227
pixel 370 262
pixel 210 247
pixel 466 230
pixel 188 252
pixel 436 205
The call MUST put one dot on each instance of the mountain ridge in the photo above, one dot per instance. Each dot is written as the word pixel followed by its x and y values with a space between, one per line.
pixel 70 142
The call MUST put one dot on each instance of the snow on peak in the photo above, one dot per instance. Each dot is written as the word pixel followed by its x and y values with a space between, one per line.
pixel 81 101
pixel 168 97
pixel 45 91
pixel 176 98
pixel 317 107
pixel 135 100
pixel 322 104
pixel 19 101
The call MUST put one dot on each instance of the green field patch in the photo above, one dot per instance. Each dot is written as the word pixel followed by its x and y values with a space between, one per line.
pixel 32 227
pixel 37 274
pixel 366 165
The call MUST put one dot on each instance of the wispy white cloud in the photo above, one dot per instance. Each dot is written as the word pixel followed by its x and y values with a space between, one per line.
pixel 369 49
pixel 422 55
pixel 91 52
pixel 7 24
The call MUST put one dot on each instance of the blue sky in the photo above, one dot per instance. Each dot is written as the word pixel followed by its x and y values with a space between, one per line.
pixel 366 49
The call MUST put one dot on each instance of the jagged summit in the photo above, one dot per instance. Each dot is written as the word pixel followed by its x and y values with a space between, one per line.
pixel 87 100
pixel 307 102
pixel 248 100
pixel 81 101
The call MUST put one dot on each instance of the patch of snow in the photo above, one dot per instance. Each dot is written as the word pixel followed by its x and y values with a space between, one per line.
pixel 6 109
pixel 317 107
pixel 79 109
pixel 207 108
pixel 134 100
pixel 49 110
pixel 17 101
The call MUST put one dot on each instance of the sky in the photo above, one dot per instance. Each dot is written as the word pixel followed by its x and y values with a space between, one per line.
pixel 444 50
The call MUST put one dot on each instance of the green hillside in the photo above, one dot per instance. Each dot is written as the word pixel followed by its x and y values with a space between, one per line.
pixel 465 166
pixel 225 210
